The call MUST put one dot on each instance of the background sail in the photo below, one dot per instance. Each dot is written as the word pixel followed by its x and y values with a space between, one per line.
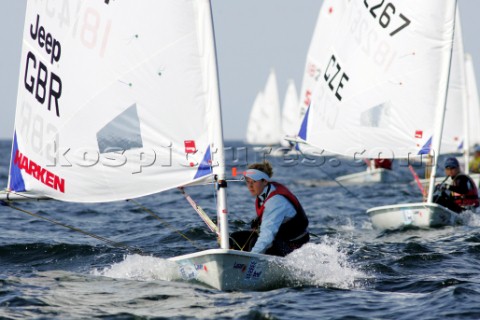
pixel 117 99
pixel 264 124
pixel 378 88
pixel 290 113
pixel 472 101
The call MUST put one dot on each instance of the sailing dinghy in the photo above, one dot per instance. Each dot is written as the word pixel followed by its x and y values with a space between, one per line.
pixel 146 119
pixel 383 78
pixel 462 108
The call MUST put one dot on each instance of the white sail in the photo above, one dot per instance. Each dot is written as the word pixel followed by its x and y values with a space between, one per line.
pixel 264 123
pixel 254 126
pixel 472 102
pixel 313 61
pixel 290 113
pixel 106 103
pixel 382 77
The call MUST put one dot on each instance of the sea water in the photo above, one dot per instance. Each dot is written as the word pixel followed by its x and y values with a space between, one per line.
pixel 348 271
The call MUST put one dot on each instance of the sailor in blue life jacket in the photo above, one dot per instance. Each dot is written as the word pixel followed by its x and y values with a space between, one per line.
pixel 281 225
pixel 458 192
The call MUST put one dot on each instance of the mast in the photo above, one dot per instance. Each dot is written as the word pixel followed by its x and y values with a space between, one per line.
pixel 218 147
pixel 439 123
pixel 465 98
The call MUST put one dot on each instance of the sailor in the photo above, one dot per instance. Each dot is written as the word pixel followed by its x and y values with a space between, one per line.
pixel 474 164
pixel 459 192
pixel 281 224
pixel 383 163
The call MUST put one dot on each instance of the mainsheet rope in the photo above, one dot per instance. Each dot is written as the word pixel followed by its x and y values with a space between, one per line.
pixel 166 224
pixel 111 242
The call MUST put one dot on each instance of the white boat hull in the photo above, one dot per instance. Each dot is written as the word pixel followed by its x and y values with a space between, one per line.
pixel 417 215
pixel 368 176
pixel 232 270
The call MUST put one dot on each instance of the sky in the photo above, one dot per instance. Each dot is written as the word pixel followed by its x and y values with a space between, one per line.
pixel 252 37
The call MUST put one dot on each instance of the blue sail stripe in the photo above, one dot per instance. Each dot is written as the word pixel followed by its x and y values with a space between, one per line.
pixel 303 129
pixel 426 147
pixel 205 167
pixel 16 180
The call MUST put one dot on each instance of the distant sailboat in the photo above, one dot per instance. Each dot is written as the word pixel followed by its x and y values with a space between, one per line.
pixel 382 87
pixel 461 115
pixel 264 124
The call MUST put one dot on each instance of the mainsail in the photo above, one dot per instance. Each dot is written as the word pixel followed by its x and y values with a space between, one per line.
pixel 137 114
pixel 311 74
pixel 382 77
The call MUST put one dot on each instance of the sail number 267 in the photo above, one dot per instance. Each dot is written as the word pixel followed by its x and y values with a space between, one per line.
pixel 385 16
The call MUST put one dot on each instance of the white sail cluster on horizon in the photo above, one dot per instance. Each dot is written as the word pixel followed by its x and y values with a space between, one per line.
pixel 269 123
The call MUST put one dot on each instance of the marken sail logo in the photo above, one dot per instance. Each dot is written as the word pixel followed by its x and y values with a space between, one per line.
pixel 44 84
pixel 41 174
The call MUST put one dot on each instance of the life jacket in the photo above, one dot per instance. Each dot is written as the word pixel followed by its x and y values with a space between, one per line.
pixel 293 228
pixel 474 165
pixel 383 163
pixel 470 199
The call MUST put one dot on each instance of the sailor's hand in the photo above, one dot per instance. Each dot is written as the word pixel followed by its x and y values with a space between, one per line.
pixel 255 223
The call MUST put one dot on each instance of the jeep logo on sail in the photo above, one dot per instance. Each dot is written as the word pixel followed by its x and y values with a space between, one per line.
pixel 38 80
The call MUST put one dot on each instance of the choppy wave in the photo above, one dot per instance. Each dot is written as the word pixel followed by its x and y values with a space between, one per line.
pixel 350 271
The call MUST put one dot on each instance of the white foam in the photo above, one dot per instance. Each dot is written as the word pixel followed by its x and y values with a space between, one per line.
pixel 144 268
pixel 470 218
pixel 324 264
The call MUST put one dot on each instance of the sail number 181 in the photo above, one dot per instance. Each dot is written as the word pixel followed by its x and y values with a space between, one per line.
pixel 385 16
